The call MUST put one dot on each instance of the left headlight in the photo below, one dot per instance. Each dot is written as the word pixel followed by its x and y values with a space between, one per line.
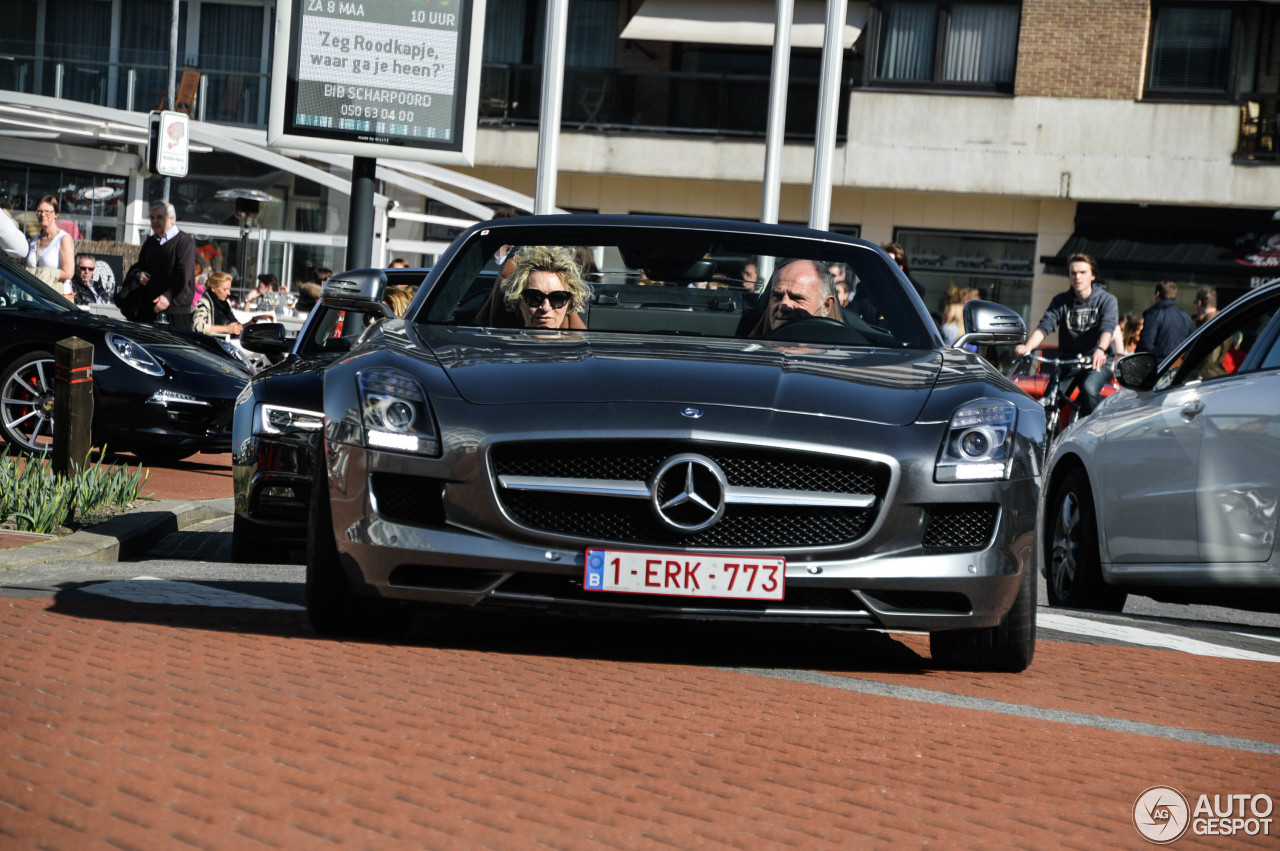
pixel 277 419
pixel 395 413
pixel 133 354
pixel 979 442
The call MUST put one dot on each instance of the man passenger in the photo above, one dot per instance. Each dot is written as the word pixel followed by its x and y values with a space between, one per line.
pixel 801 288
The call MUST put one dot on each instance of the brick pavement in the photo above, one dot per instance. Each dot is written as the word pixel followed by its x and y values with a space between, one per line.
pixel 136 726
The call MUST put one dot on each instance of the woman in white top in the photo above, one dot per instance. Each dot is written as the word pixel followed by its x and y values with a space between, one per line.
pixel 53 248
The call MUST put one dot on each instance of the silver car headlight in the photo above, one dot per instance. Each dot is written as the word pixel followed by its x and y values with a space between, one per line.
pixel 979 442
pixel 395 413
pixel 238 355
pixel 133 354
pixel 277 419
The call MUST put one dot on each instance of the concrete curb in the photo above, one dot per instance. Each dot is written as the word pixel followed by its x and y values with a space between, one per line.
pixel 120 537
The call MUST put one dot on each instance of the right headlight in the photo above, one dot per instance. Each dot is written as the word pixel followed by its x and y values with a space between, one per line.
pixel 979 442
pixel 277 419
pixel 395 413
pixel 132 353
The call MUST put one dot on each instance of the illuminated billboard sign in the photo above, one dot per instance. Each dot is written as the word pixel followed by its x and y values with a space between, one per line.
pixel 378 78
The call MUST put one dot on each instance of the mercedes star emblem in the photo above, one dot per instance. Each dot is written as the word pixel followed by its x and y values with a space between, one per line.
pixel 691 412
pixel 688 492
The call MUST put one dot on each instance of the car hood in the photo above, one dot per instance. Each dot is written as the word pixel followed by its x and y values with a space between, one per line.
pixel 501 368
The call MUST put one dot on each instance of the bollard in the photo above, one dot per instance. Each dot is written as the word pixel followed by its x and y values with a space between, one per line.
pixel 72 404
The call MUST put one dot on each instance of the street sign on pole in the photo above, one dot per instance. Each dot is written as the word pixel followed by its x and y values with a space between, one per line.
pixel 168 143
pixel 393 78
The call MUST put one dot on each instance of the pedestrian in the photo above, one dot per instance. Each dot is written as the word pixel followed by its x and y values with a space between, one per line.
pixel 52 248
pixel 166 268
pixel 85 290
pixel 1164 325
pixel 1085 317
pixel 899 256
pixel 399 263
pixel 1206 305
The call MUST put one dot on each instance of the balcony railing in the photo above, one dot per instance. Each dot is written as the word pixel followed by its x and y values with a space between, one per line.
pixel 667 102
pixel 1259 136
pixel 226 97
pixel 595 99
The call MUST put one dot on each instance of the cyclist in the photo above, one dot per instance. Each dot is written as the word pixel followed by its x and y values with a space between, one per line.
pixel 1085 318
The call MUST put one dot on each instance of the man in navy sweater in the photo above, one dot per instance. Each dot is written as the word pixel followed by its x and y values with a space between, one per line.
pixel 168 263
pixel 1164 324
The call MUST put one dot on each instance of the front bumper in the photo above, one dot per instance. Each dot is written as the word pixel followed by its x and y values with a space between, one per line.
pixel 467 552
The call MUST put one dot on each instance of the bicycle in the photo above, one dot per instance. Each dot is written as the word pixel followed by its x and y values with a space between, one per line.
pixel 1059 409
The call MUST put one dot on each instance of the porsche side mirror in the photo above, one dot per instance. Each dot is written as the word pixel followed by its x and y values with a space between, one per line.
pixel 991 324
pixel 265 338
pixel 1137 371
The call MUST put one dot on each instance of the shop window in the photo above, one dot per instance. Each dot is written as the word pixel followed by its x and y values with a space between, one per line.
pixel 999 266
pixel 972 46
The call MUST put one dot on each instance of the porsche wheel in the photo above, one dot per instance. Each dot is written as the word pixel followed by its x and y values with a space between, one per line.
pixel 1074 566
pixel 26 402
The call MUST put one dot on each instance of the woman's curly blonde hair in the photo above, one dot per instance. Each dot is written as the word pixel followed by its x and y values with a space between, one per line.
pixel 543 258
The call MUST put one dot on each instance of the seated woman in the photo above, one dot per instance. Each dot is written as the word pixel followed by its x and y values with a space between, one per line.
pixel 213 314
pixel 545 290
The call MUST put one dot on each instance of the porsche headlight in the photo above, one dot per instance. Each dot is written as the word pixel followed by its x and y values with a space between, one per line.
pixel 238 356
pixel 395 413
pixel 277 419
pixel 133 354
pixel 979 442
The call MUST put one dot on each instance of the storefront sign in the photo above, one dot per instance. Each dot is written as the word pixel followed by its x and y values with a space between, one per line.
pixel 168 145
pixel 394 78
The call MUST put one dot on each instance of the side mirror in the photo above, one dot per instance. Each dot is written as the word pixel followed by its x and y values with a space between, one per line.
pixel 1137 371
pixel 265 338
pixel 991 324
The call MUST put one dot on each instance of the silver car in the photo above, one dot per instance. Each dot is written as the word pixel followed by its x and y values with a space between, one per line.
pixel 1170 488
pixel 684 442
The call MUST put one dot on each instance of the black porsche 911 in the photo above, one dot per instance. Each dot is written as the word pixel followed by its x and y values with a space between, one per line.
pixel 159 394
pixel 664 418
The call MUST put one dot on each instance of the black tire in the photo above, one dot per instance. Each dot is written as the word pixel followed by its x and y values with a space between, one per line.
pixel 26 402
pixel 1008 646
pixel 248 546
pixel 1074 568
pixel 332 607
pixel 161 457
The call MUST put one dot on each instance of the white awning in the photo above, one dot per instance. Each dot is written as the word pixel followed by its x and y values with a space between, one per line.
pixel 737 22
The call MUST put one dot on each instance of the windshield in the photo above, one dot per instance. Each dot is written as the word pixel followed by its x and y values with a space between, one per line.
pixel 19 290
pixel 675 281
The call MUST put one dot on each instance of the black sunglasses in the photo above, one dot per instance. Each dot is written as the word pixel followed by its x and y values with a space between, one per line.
pixel 87 268
pixel 534 298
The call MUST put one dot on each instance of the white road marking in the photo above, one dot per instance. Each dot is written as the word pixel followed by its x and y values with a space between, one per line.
pixel 149 589
pixel 1146 637
pixel 1263 637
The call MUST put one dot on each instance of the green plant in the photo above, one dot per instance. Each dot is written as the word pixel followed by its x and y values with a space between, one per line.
pixel 40 500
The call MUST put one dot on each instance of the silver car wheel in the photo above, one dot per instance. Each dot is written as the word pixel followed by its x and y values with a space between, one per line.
pixel 26 404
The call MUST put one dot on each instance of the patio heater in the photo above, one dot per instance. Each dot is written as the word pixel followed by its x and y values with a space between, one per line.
pixel 248 204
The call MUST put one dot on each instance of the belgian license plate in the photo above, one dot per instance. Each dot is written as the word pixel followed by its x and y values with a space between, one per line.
pixel 685 574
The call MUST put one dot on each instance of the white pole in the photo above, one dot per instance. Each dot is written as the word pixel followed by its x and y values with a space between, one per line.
pixel 828 109
pixel 775 133
pixel 544 197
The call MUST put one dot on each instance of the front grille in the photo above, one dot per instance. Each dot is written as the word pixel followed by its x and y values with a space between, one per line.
pixel 568 589
pixel 743 526
pixel 959 528
pixel 412 500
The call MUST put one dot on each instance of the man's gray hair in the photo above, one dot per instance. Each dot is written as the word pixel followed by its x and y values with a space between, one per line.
pixel 169 211
pixel 826 281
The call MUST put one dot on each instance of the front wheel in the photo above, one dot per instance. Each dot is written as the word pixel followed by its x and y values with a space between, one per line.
pixel 1075 567
pixel 1007 646
pixel 332 607
pixel 26 402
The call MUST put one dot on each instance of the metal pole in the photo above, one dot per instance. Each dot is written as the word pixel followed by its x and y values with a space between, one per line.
pixel 828 109
pixel 544 196
pixel 776 131
pixel 360 217
pixel 174 17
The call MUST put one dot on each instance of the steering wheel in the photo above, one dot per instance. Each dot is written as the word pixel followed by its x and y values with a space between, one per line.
pixel 817 329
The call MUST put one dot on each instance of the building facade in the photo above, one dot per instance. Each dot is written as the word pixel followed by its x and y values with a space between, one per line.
pixel 990 139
